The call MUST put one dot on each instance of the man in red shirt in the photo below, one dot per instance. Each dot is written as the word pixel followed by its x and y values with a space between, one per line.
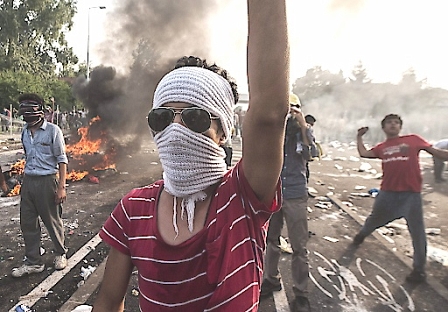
pixel 197 237
pixel 400 195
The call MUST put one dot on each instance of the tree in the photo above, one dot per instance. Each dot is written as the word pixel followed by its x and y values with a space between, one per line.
pixel 360 74
pixel 409 80
pixel 316 83
pixel 32 35
pixel 12 84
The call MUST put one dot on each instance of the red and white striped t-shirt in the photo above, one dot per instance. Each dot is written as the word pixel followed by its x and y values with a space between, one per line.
pixel 218 269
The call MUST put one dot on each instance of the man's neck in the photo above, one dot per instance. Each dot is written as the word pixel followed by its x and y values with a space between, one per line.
pixel 36 126
pixel 392 136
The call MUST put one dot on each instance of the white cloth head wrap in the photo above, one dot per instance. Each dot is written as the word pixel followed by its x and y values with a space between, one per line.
pixel 200 87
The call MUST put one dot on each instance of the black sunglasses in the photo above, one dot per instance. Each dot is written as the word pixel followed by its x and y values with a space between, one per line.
pixel 196 119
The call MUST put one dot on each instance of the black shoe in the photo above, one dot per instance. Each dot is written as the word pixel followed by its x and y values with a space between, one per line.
pixel 416 277
pixel 301 304
pixel 267 288
pixel 358 239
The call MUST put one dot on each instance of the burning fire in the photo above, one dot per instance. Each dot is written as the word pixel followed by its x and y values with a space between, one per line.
pixel 76 175
pixel 15 191
pixel 19 167
pixel 91 153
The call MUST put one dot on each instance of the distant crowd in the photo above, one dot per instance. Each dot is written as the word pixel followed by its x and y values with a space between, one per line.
pixel 65 120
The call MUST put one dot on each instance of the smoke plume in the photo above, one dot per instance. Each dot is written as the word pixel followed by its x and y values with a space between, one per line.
pixel 145 38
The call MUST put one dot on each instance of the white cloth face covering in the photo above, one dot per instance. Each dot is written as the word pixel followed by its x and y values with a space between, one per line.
pixel 191 162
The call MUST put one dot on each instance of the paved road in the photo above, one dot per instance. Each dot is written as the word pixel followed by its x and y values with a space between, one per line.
pixel 342 278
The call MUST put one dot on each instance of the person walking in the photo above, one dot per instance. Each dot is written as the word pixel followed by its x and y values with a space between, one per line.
pixel 439 164
pixel 314 152
pixel 400 193
pixel 6 120
pixel 294 211
pixel 42 192
pixel 197 237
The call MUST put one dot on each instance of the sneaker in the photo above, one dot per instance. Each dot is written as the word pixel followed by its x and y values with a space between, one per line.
pixel 301 304
pixel 60 262
pixel 358 239
pixel 27 269
pixel 416 277
pixel 267 288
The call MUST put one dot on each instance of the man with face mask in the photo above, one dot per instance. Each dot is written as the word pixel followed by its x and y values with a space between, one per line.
pixel 42 193
pixel 197 237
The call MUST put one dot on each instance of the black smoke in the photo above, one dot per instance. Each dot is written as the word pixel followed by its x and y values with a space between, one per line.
pixel 144 40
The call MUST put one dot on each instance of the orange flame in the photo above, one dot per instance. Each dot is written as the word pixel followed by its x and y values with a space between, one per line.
pixel 86 147
pixel 15 191
pixel 76 175
pixel 18 167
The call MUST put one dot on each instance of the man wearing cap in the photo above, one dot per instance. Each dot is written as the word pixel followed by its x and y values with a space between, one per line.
pixel 293 211
pixel 42 192
pixel 197 237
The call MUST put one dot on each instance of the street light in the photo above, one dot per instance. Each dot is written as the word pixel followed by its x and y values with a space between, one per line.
pixel 88 38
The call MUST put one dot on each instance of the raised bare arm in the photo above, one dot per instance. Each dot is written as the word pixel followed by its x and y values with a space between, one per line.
pixel 268 78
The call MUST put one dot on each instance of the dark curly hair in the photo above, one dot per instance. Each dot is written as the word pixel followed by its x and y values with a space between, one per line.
pixel 198 62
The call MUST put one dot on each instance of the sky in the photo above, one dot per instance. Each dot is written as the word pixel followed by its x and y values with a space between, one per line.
pixel 389 37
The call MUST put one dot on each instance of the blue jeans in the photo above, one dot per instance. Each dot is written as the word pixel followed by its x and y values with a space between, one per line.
pixel 295 213
pixel 390 206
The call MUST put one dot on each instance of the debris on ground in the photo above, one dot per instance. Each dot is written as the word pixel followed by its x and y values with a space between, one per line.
pixel 323 205
pixel 85 273
pixel 331 239
pixel 135 292
pixel 339 167
pixel 83 308
pixel 364 167
pixel 360 194
pixel 94 180
pixel 322 198
pixel 285 246
pixel 438 255
pixel 433 231
pixel 312 190
pixel 374 192
pixel 22 308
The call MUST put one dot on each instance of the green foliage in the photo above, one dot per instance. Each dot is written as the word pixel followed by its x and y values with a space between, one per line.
pixel 32 47
pixel 12 84
pixel 32 35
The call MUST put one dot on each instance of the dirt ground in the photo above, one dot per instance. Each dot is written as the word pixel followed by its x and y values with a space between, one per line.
pixel 337 175
pixel 88 206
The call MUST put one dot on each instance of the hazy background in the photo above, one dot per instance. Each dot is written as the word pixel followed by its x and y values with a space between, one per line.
pixel 135 40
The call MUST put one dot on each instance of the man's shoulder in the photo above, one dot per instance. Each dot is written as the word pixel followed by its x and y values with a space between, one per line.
pixel 414 139
pixel 147 190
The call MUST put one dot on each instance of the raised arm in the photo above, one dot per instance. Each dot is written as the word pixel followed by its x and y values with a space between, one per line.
pixel 268 78
pixel 363 152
